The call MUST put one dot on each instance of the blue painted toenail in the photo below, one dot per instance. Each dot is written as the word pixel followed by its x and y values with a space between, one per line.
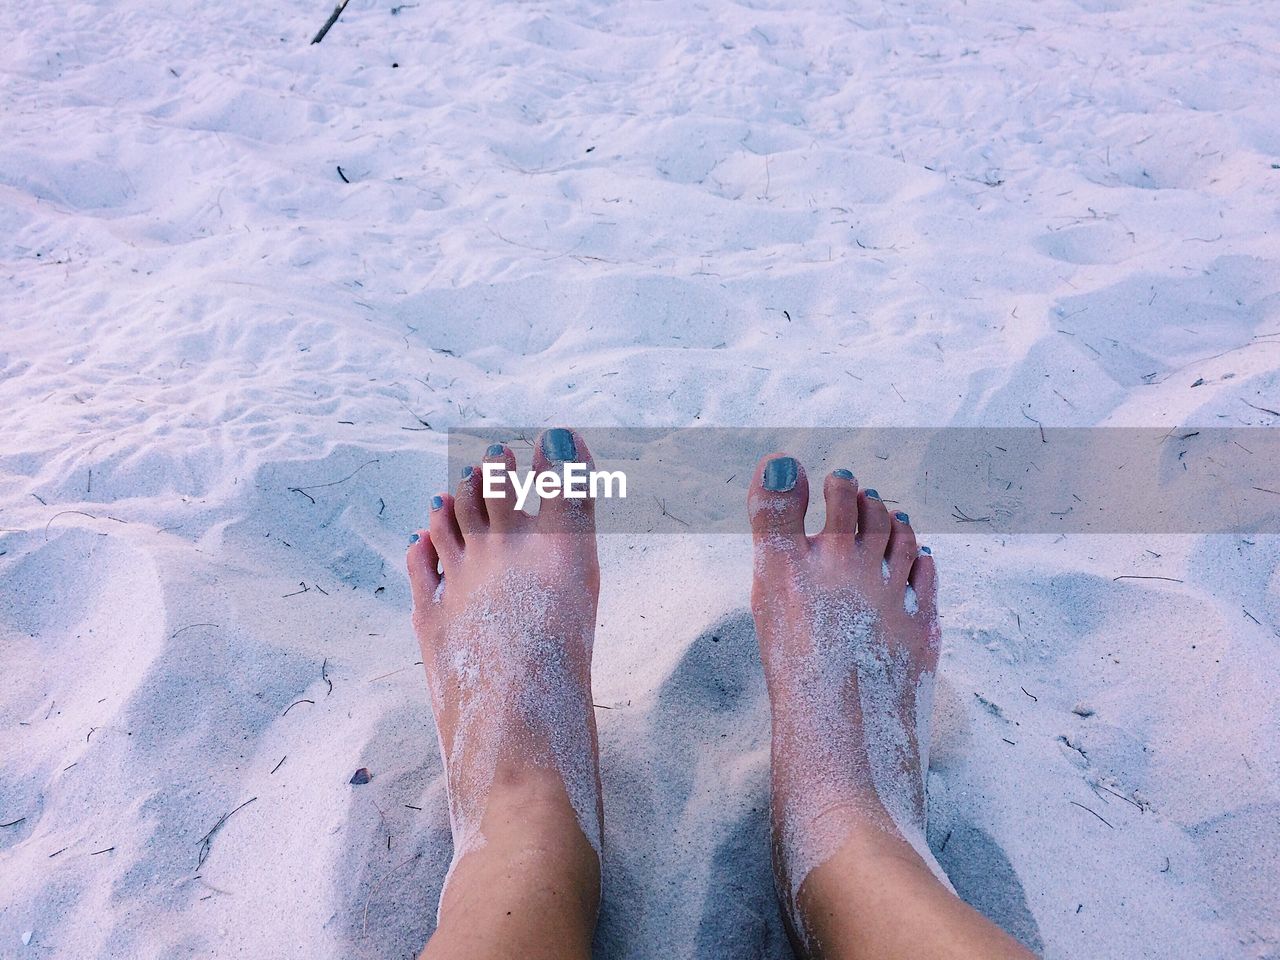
pixel 871 494
pixel 558 445
pixel 495 450
pixel 780 474
pixel 843 474
pixel 466 472
pixel 437 502
pixel 413 538
pixel 926 551
pixel 902 517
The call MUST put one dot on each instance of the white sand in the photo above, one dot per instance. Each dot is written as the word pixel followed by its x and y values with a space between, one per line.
pixel 651 214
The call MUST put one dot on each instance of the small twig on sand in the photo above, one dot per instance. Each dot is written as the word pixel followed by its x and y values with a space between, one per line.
pixel 391 674
pixel 415 416
pixel 364 927
pixel 1043 439
pixel 331 483
pixel 1274 413
pixel 295 703
pixel 662 505
pixel 13 823
pixel 1129 800
pixel 190 626
pixel 1094 812
pixel 333 18
pixel 63 514
pixel 1136 576
pixel 206 842
pixel 962 517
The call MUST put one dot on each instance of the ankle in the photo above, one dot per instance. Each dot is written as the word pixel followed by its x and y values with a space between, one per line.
pixel 846 775
pixel 849 822
pixel 530 804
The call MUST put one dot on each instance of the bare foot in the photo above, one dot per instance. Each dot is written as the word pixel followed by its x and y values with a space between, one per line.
pixel 504 606
pixel 848 633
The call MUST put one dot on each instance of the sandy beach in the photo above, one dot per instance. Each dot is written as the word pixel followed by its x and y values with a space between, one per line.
pixel 248 284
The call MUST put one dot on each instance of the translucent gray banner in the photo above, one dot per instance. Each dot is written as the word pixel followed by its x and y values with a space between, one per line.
pixel 950 480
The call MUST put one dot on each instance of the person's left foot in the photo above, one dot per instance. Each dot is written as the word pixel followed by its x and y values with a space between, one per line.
pixel 848 631
pixel 504 608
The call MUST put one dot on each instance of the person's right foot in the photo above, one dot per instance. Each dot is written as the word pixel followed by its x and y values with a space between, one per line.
pixel 504 607
pixel 848 633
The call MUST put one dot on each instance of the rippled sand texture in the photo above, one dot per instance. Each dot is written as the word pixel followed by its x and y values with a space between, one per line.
pixel 246 283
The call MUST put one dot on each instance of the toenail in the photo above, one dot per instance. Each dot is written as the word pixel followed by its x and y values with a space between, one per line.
pixel 413 538
pixel 437 502
pixel 843 474
pixel 871 494
pixel 902 517
pixel 780 474
pixel 558 445
pixel 926 551
pixel 466 472
pixel 495 450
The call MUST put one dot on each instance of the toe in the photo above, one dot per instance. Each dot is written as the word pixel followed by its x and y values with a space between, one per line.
pixel 924 581
pixel 841 492
pixel 445 535
pixel 873 523
pixel 902 549
pixel 777 500
pixel 552 452
pixel 499 460
pixel 469 506
pixel 424 570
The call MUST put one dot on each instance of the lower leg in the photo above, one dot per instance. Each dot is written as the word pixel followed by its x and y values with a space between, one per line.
pixel 504 609
pixel 531 889
pixel 875 897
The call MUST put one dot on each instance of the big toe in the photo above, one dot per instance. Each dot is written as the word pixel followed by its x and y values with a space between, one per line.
pixel 777 501
pixel 555 450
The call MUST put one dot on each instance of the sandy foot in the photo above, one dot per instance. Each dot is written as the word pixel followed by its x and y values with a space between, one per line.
pixel 849 638
pixel 504 609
